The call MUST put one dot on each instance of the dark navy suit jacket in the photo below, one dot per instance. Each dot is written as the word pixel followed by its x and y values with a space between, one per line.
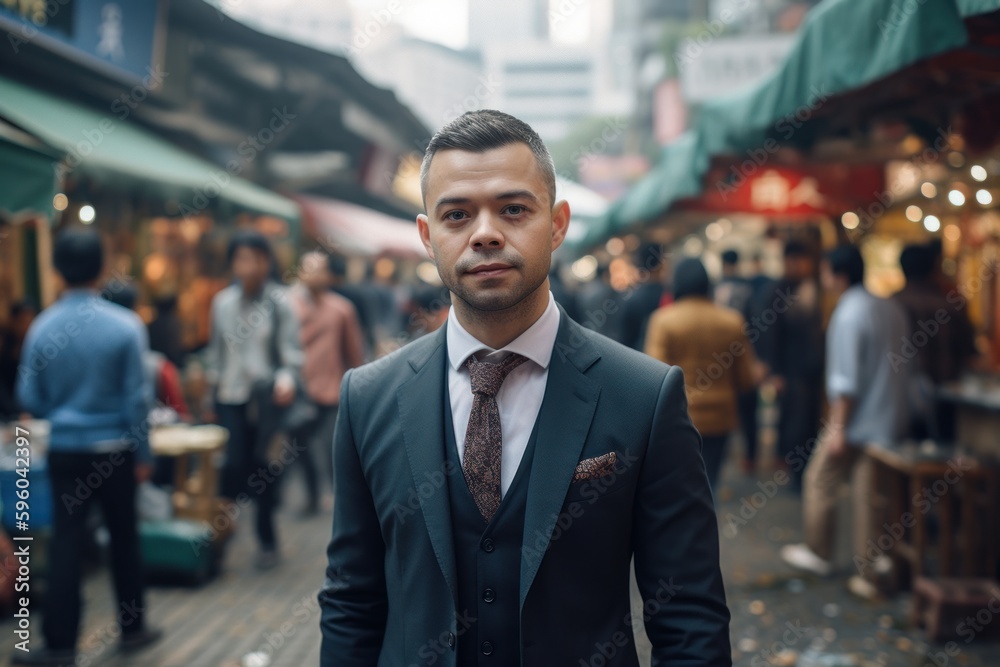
pixel 390 594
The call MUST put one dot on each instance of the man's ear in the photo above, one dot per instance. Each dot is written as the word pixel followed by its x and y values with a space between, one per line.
pixel 560 222
pixel 423 227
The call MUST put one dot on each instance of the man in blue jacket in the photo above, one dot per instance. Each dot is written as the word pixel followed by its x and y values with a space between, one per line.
pixel 82 370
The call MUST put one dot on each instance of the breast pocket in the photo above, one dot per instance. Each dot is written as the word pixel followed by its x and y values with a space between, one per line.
pixel 598 477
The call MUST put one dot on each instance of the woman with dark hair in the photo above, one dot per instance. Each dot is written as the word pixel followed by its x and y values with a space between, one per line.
pixel 710 345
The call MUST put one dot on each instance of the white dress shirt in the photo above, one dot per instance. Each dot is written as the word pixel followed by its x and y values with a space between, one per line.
pixel 520 396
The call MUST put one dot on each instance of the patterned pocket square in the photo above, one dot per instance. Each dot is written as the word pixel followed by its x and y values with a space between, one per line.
pixel 595 467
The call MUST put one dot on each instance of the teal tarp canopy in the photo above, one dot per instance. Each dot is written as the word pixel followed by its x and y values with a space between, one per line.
pixel 27 179
pixel 843 45
pixel 114 149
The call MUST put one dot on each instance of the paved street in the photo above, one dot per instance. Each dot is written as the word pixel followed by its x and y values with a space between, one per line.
pixel 275 614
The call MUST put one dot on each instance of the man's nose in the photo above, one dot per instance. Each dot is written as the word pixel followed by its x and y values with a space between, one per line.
pixel 487 233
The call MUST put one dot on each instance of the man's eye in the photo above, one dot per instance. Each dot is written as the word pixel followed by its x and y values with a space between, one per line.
pixel 515 209
pixel 455 215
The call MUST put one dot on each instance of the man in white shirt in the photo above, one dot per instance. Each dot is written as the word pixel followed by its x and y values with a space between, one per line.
pixel 494 479
pixel 869 406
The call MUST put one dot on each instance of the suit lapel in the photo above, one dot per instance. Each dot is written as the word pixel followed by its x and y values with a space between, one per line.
pixel 420 402
pixel 564 421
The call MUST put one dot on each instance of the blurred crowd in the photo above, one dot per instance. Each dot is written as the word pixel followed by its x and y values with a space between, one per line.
pixel 813 341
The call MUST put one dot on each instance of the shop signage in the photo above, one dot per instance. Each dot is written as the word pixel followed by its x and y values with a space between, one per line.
pixel 780 190
pixel 119 38
pixel 713 67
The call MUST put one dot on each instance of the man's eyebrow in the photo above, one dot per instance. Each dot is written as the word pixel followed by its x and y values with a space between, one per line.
pixel 512 194
pixel 518 194
pixel 447 201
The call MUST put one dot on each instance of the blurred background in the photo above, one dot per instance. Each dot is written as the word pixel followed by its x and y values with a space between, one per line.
pixel 678 128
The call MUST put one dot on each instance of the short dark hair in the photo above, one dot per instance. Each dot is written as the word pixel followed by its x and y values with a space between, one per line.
pixel 796 248
pixel 649 256
pixel 166 303
pixel 730 257
pixel 122 294
pixel 248 238
pixel 917 262
pixel 845 260
pixel 691 279
pixel 337 265
pixel 486 129
pixel 78 256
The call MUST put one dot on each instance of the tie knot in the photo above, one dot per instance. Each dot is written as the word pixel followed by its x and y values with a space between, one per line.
pixel 487 378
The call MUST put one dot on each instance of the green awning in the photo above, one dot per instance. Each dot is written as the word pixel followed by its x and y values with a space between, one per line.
pixel 107 146
pixel 969 8
pixel 843 45
pixel 27 179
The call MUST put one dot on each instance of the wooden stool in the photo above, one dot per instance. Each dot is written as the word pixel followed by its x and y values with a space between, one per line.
pixel 920 483
pixel 942 607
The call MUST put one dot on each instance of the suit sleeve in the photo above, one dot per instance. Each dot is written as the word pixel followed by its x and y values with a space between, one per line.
pixel 676 541
pixel 353 601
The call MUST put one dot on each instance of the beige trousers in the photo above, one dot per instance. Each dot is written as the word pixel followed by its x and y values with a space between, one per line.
pixel 824 477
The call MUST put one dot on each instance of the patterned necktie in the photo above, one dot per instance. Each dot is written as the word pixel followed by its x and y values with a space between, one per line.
pixel 483 439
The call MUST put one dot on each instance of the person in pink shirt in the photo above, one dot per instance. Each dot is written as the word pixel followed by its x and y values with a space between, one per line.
pixel 333 344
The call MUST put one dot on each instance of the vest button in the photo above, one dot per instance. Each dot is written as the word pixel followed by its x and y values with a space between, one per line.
pixel 487 648
pixel 451 640
pixel 488 545
pixel 489 595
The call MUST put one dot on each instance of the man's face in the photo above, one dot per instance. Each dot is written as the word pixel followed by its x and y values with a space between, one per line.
pixel 314 272
pixel 798 267
pixel 490 226
pixel 250 267
pixel 829 279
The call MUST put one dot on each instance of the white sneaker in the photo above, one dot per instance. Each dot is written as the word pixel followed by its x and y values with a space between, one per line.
pixel 862 588
pixel 802 557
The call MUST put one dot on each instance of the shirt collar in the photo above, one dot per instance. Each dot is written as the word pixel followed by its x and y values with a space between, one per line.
pixel 855 291
pixel 536 343
pixel 80 293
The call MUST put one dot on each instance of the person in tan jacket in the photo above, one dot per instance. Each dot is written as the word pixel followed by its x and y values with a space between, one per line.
pixel 710 344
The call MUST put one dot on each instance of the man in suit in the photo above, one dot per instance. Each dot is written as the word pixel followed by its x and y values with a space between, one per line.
pixel 495 479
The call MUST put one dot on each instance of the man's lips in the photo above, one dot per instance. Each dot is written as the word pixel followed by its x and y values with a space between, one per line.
pixel 489 270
